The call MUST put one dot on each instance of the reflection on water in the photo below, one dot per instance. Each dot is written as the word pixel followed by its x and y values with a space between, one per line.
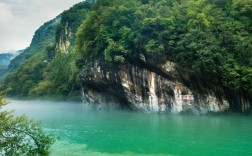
pixel 86 132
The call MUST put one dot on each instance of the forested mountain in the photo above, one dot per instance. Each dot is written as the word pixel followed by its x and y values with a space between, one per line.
pixel 141 53
pixel 5 59
pixel 46 62
pixel 42 38
pixel 4 62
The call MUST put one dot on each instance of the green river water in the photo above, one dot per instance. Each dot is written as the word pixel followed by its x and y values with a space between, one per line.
pixel 118 133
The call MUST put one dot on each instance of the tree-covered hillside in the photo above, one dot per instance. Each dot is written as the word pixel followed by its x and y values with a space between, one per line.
pixel 43 69
pixel 42 38
pixel 210 38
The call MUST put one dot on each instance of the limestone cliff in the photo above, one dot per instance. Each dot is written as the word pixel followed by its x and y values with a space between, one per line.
pixel 142 86
pixel 70 21
pixel 63 40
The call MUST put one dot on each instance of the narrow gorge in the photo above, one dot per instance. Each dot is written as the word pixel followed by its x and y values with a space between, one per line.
pixel 125 55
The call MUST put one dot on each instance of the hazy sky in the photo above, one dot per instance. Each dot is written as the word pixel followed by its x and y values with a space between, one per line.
pixel 19 19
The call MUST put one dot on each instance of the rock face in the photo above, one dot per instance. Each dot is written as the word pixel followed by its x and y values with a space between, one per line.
pixel 63 41
pixel 140 86
pixel 70 21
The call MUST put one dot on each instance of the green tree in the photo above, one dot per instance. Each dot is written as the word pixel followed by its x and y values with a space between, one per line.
pixel 21 135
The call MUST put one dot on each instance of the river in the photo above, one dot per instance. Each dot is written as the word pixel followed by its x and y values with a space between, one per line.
pixel 82 131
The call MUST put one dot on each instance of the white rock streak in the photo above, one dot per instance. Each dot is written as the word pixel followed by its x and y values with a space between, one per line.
pixel 153 99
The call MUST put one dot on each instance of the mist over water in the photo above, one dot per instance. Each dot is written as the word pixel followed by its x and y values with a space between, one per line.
pixel 82 131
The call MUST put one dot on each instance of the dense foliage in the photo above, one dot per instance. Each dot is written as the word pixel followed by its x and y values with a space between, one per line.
pixel 26 76
pixel 21 135
pixel 208 37
pixel 72 19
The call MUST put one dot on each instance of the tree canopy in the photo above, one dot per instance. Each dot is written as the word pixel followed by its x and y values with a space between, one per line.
pixel 21 135
pixel 208 37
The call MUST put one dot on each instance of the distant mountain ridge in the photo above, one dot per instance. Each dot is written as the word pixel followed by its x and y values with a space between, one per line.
pixel 5 59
